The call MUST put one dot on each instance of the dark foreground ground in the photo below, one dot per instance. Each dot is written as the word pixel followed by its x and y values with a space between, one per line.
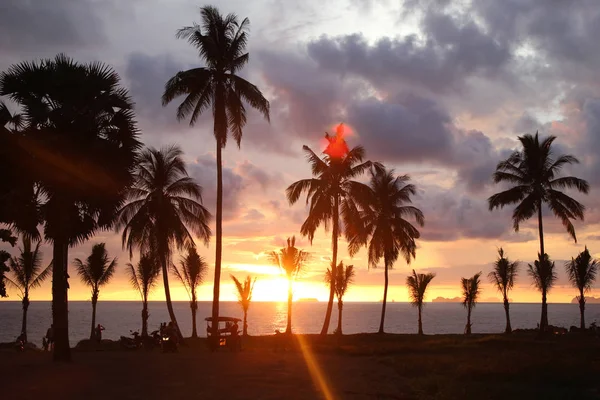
pixel 356 367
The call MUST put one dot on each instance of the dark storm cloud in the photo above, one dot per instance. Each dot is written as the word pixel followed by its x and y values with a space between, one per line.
pixel 452 50
pixel 29 26
pixel 147 76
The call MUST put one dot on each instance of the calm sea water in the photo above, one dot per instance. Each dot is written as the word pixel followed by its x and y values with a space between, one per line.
pixel 264 318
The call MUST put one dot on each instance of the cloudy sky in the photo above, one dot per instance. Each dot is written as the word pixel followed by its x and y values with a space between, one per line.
pixel 436 89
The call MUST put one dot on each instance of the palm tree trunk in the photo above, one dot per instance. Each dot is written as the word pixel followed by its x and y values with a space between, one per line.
pixel 385 290
pixel 468 327
pixel 94 302
pixel 508 328
pixel 219 244
pixel 25 303
pixel 245 329
pixel 60 310
pixel 544 318
pixel 288 329
pixel 582 308
pixel 168 294
pixel 541 230
pixel 145 318
pixel 340 308
pixel 420 307
pixel 334 239
pixel 194 307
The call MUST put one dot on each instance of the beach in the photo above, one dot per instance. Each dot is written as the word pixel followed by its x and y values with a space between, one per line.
pixel 352 367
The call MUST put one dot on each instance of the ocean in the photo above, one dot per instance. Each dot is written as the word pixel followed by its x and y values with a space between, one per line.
pixel 119 317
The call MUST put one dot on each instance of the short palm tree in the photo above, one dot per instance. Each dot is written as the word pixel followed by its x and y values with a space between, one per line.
pixel 143 278
pixel 470 292
pixel 341 278
pixel 290 260
pixel 582 272
pixel 544 276
pixel 332 193
pixel 77 116
pixel 534 173
pixel 503 278
pixel 221 42
pixel 191 275
pixel 5 236
pixel 165 204
pixel 417 286
pixel 27 274
pixel 386 223
pixel 95 272
pixel 244 293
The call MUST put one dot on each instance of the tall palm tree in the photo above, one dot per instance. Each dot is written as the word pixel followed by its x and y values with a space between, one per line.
pixel 27 274
pixel 332 194
pixel 77 116
pixel 503 277
pixel 385 223
pixel 244 293
pixel 290 260
pixel 221 42
pixel 544 276
pixel 193 269
pixel 582 273
pixel 534 173
pixel 96 271
pixel 417 286
pixel 143 278
pixel 470 292
pixel 164 205
pixel 340 279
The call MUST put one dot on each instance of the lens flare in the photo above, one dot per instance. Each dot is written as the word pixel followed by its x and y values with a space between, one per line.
pixel 317 375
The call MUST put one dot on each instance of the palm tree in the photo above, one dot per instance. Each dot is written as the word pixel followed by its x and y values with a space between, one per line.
pixel 544 276
pixel 77 116
pixel 582 275
pixel 417 286
pixel 384 222
pixel 96 272
pixel 193 269
pixel 5 236
pixel 341 278
pixel 165 204
pixel 290 260
pixel 533 171
pixel 503 277
pixel 470 292
pixel 221 42
pixel 244 293
pixel 333 193
pixel 27 273
pixel 143 278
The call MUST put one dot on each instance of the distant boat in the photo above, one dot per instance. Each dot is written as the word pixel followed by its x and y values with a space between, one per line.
pixel 308 300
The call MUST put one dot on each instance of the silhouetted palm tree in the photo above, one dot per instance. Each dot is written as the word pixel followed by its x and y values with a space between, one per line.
pixel 5 237
pixel 143 278
pixel 76 118
pixel 544 276
pixel 503 277
pixel 165 204
pixel 417 286
pixel 95 272
pixel 582 275
pixel 384 223
pixel 291 260
pixel 221 42
pixel 341 279
pixel 533 170
pixel 244 293
pixel 330 193
pixel 193 269
pixel 27 274
pixel 470 292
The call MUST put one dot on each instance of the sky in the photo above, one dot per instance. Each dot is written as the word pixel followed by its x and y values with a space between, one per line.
pixel 438 90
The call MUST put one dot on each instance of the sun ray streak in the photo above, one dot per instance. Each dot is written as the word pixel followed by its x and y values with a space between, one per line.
pixel 316 373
